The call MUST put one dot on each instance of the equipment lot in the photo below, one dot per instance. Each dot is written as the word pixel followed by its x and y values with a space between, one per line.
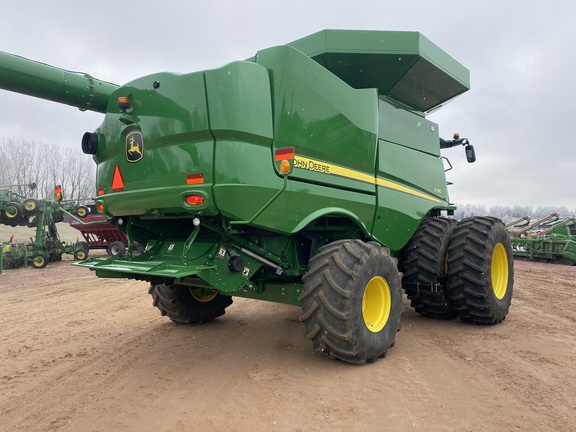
pixel 80 353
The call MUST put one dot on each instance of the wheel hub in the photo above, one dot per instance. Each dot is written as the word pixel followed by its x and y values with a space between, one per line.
pixel 376 304
pixel 499 271
pixel 203 295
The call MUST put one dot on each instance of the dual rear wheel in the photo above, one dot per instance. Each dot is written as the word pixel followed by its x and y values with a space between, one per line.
pixel 480 270
pixel 463 269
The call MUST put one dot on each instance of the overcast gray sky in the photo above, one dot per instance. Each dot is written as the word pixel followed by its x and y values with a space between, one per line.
pixel 521 56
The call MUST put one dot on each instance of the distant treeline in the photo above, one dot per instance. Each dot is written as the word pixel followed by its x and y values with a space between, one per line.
pixel 511 213
pixel 24 162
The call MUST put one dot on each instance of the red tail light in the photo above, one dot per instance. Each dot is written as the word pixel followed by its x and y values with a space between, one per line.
pixel 195 200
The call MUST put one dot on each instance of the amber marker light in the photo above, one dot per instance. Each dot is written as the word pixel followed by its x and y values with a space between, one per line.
pixel 123 102
pixel 285 166
pixel 58 193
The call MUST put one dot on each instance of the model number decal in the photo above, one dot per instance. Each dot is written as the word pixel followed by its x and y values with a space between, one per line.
pixel 311 165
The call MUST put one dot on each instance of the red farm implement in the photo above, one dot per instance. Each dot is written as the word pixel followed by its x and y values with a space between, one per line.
pixel 98 233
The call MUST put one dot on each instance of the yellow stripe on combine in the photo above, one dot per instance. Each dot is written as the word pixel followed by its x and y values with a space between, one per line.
pixel 391 185
pixel 308 164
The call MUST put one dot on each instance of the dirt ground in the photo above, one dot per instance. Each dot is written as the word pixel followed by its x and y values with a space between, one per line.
pixel 84 354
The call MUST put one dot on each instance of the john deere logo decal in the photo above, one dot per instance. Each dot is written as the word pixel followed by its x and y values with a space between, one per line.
pixel 134 146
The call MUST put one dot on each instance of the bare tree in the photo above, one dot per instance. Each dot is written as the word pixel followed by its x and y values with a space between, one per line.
pixel 25 162
pixel 17 158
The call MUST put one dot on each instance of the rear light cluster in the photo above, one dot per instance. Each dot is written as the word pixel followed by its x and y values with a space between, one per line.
pixel 194 179
pixel 284 156
pixel 117 185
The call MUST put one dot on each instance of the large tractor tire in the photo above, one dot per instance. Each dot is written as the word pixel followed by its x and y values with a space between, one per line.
pixel 352 301
pixel 423 262
pixel 480 270
pixel 188 305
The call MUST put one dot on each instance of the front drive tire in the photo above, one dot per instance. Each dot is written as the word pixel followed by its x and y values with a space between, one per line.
pixel 188 305
pixel 480 270
pixel 352 301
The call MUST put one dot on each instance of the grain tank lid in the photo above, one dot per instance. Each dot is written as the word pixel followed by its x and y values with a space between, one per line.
pixel 403 65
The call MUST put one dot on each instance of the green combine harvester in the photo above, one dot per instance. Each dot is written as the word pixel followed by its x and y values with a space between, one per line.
pixel 307 174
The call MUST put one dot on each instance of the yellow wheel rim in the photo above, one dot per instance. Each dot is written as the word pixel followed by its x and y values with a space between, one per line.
pixel 202 295
pixel 81 212
pixel 39 261
pixel 81 255
pixel 11 212
pixel 499 271
pixel 376 304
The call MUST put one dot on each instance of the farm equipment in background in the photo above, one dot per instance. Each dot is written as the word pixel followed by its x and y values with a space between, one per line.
pixel 518 223
pixel 548 239
pixel 13 254
pixel 99 233
pixel 518 231
pixel 307 174
pixel 45 246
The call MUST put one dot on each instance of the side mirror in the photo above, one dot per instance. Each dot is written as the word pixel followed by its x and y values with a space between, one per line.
pixel 470 153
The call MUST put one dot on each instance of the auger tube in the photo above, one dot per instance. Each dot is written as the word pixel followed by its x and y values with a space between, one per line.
pixel 43 81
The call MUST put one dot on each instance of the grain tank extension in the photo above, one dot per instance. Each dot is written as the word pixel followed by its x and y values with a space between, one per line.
pixel 308 174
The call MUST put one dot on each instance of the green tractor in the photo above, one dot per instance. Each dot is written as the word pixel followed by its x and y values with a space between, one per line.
pixel 307 174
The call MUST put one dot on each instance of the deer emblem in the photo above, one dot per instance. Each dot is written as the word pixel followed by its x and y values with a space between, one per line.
pixel 134 146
